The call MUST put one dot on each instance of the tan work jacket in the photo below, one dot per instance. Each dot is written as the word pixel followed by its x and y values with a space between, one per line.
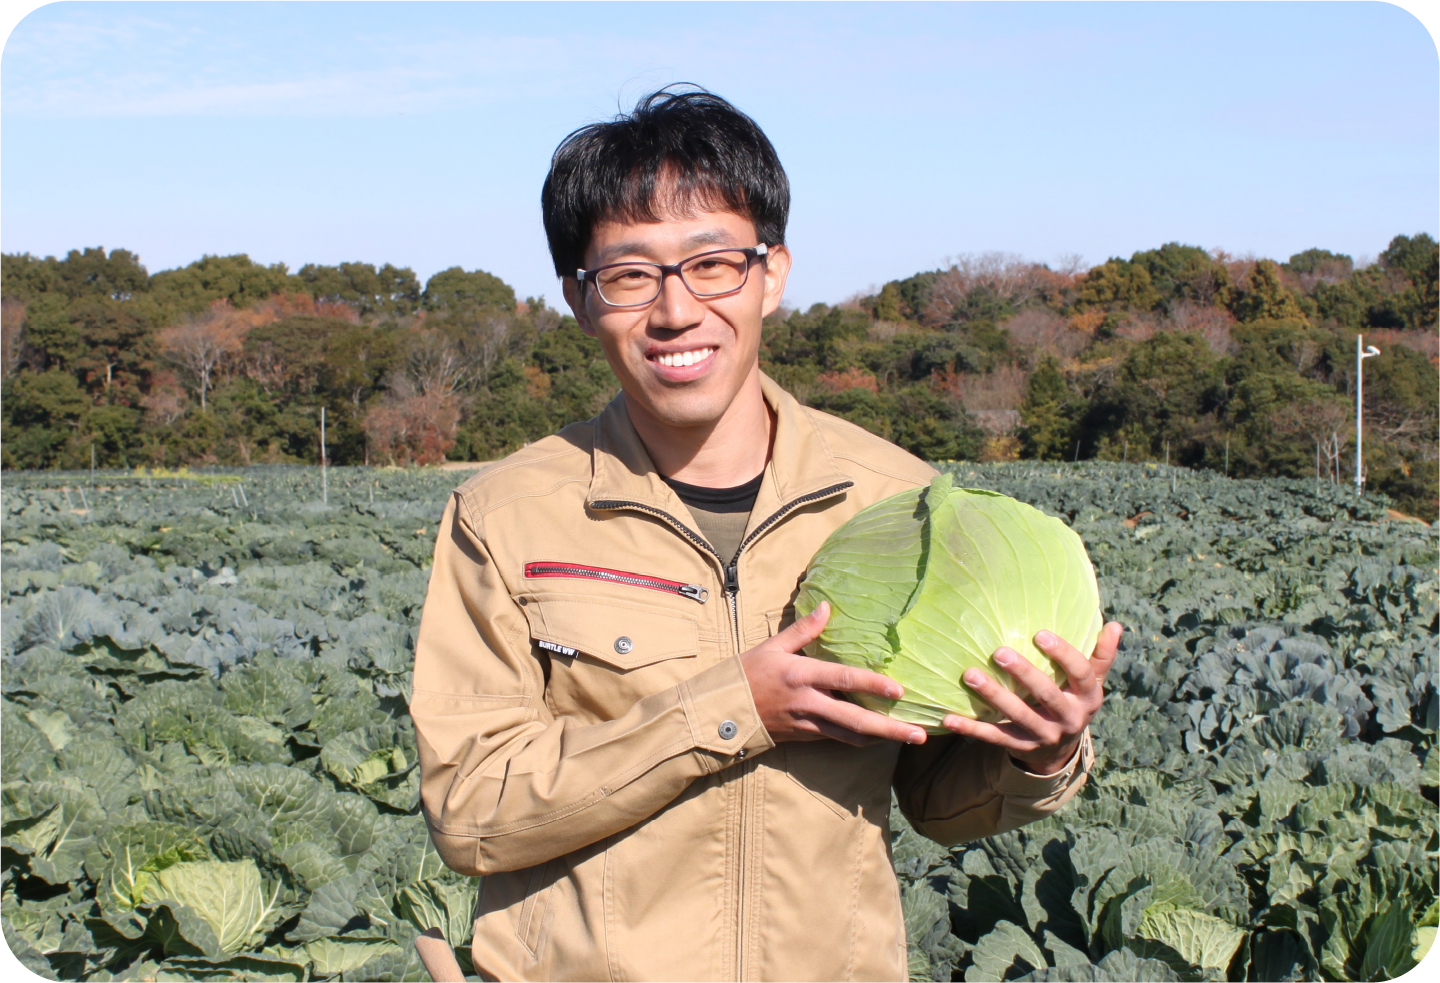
pixel 589 746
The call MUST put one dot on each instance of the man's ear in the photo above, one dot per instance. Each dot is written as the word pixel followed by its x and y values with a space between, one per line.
pixel 570 287
pixel 777 269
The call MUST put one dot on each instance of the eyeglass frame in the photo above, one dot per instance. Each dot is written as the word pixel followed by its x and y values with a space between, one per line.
pixel 760 251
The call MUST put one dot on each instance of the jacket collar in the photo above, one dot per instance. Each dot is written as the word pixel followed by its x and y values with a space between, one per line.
pixel 800 464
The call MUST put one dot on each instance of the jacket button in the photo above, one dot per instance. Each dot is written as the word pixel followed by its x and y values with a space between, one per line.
pixel 728 730
pixel 623 645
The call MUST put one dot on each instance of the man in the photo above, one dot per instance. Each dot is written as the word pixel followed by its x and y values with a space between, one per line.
pixel 617 728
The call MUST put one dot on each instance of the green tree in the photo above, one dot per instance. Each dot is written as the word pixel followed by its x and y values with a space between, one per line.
pixel 862 407
pixel 44 411
pixel 1417 258
pixel 388 290
pixel 1356 303
pixel 888 304
pixel 114 432
pixel 1048 414
pixel 1322 262
pixel 1169 389
pixel 1117 284
pixel 455 288
pixel 934 427
pixel 116 347
pixel 1184 273
pixel 915 292
pixel 24 277
pixel 1263 297
pixel 236 279
pixel 92 272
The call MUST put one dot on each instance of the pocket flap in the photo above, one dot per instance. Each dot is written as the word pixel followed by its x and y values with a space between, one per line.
pixel 624 635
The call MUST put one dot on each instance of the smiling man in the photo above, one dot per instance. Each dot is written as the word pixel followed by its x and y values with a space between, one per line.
pixel 617 727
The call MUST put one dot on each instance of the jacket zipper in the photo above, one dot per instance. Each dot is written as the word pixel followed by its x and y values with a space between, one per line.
pixel 732 590
pixel 553 568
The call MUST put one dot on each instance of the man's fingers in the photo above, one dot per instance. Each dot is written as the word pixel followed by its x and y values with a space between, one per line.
pixel 848 679
pixel 1039 685
pixel 1107 648
pixel 1080 670
pixel 1011 706
pixel 804 630
pixel 989 733
pixel 858 720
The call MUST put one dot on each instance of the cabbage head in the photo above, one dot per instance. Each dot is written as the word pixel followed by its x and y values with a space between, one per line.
pixel 929 583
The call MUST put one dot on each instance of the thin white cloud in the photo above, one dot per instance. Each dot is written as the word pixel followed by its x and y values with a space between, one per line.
pixel 107 63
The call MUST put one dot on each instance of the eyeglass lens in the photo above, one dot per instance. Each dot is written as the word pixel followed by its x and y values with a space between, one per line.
pixel 708 275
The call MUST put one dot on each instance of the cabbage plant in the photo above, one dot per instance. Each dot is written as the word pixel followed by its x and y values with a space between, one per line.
pixel 930 582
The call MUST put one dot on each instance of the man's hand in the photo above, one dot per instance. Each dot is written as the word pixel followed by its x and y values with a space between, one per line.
pixel 1043 738
pixel 795 694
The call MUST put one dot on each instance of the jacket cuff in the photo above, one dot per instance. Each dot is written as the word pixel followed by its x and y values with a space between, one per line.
pixel 722 715
pixel 1011 780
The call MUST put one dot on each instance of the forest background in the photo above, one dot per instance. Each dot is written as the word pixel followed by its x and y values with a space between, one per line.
pixel 1237 364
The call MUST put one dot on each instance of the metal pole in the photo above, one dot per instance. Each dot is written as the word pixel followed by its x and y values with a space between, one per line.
pixel 1359 409
pixel 324 478
pixel 1370 351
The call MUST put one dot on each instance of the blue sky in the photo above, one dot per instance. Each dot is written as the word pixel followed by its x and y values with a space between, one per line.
pixel 419 133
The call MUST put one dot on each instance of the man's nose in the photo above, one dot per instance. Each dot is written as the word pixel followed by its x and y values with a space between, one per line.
pixel 676 307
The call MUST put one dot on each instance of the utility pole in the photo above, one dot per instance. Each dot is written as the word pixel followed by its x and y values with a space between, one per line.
pixel 324 479
pixel 1370 351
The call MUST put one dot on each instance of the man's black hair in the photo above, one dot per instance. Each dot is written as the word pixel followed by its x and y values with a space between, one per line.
pixel 681 148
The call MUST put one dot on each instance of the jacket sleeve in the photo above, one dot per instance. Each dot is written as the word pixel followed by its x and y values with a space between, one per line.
pixel 953 789
pixel 505 784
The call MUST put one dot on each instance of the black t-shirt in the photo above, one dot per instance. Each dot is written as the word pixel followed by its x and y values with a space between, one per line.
pixel 721 513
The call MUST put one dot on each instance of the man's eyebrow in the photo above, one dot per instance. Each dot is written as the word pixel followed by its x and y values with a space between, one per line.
pixel 705 237
pixel 710 237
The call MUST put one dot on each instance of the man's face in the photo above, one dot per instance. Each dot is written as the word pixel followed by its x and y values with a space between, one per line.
pixel 647 347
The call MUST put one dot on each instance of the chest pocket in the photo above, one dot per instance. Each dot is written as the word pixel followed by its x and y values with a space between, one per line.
pixel 606 654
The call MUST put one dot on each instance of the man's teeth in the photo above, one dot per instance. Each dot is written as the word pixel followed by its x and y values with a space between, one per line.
pixel 674 359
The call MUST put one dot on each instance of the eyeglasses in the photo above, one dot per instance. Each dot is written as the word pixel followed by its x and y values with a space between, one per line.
pixel 709 274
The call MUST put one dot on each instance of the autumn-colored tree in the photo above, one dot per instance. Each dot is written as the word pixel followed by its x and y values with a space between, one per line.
pixel 851 378
pixel 166 399
pixel 201 345
pixel 412 429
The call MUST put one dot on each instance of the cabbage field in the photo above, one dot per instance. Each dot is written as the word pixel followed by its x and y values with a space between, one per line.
pixel 209 773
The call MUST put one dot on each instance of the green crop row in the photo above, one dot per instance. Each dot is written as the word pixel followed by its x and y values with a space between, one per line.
pixel 209 772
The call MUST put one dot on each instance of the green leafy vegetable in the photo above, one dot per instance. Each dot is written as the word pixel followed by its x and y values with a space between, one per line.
pixel 927 584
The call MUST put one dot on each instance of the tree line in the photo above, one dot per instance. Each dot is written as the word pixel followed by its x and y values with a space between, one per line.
pixel 1208 360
